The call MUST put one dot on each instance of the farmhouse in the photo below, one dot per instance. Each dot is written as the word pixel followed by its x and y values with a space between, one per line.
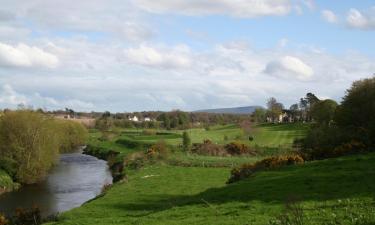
pixel 133 118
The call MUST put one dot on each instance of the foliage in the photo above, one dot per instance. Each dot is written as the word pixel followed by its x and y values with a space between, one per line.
pixel 259 115
pixel 134 144
pixel 209 148
pixel 186 141
pixel 274 108
pixel 31 141
pixel 238 148
pixel 323 112
pixel 353 130
pixel 356 113
pixel 3 220
pixel 27 216
pixel 174 120
pixel 157 151
pixel 72 135
pixel 246 170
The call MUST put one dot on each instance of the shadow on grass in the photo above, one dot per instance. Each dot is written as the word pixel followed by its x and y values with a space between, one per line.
pixel 343 178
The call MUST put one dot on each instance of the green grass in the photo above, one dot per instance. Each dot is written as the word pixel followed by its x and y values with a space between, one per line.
pixel 268 135
pixel 210 161
pixel 334 191
pixel 273 135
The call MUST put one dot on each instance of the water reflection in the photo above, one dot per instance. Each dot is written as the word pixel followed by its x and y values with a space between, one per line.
pixel 75 180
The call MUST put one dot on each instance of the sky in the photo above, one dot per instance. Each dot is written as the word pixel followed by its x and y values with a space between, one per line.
pixel 140 55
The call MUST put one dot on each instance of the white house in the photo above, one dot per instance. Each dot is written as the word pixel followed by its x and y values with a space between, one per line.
pixel 147 119
pixel 134 119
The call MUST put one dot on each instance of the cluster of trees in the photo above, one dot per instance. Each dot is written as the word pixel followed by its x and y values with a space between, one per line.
pixel 174 120
pixel 168 120
pixel 30 142
pixel 310 108
pixel 344 128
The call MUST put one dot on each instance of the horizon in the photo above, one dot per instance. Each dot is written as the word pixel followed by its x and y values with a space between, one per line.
pixel 142 55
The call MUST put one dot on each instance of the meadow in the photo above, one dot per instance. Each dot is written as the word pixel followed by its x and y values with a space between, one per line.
pixel 162 194
pixel 192 189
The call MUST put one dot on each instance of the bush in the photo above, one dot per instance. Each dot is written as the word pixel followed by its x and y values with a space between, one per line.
pixel 72 135
pixel 208 148
pixel 133 144
pixel 237 148
pixel 352 147
pixel 135 160
pixel 27 216
pixel 3 220
pixel 149 132
pixel 246 170
pixel 31 141
pixel 158 151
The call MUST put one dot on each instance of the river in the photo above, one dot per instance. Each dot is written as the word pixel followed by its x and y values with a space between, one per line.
pixel 76 179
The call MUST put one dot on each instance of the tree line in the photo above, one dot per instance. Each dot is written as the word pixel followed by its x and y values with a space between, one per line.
pixel 309 108
pixel 347 128
pixel 31 141
pixel 167 120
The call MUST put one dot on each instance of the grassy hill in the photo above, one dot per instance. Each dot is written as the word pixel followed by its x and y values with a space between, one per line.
pixel 335 191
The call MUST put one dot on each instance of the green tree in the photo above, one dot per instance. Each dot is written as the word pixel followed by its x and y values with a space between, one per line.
pixel 186 141
pixel 274 108
pixel 356 113
pixel 323 112
pixel 31 141
pixel 259 115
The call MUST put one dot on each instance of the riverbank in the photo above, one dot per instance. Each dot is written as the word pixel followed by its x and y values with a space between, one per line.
pixel 322 191
pixel 6 183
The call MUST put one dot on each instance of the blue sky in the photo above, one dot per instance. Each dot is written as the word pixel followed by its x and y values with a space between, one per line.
pixel 138 55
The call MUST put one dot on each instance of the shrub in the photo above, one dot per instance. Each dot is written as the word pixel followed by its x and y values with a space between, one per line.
pixel 133 144
pixel 246 170
pixel 3 220
pixel 209 148
pixel 349 148
pixel 186 141
pixel 27 216
pixel 237 148
pixel 157 151
pixel 135 160
pixel 149 132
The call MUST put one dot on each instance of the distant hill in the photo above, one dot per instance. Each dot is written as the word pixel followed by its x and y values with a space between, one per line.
pixel 235 110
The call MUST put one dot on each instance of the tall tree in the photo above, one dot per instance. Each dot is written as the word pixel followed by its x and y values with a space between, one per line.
pixel 274 108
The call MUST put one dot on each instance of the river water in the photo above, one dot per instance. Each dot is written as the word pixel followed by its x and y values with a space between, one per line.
pixel 76 179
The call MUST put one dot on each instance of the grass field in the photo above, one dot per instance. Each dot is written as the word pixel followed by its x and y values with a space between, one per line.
pixel 335 191
pixel 266 135
pixel 192 189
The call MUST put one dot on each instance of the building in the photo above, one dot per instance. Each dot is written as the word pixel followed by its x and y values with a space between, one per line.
pixel 133 118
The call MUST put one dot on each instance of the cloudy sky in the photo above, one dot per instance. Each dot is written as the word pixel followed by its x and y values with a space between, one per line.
pixel 133 55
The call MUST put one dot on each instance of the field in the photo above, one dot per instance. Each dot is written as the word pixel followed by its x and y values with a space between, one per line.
pixel 192 189
pixel 194 195
pixel 266 135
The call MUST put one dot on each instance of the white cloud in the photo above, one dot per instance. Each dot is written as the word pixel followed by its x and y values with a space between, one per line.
pixel 26 56
pixel 166 58
pixel 361 20
pixel 235 8
pixel 11 99
pixel 329 16
pixel 289 67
